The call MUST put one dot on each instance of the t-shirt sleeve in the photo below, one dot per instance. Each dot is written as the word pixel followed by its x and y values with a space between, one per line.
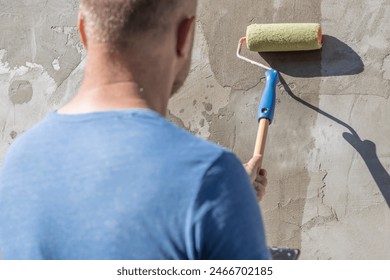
pixel 226 218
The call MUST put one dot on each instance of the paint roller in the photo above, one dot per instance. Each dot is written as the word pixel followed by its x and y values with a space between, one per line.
pixel 279 37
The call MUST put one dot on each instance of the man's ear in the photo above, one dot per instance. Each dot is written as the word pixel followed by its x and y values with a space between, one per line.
pixel 82 31
pixel 185 37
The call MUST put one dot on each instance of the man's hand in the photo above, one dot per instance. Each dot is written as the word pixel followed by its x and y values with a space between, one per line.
pixel 257 175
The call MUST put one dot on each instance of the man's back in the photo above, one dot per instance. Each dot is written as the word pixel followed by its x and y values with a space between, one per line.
pixel 124 185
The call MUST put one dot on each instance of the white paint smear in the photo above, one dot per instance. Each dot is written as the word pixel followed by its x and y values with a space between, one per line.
pixel 4 66
pixel 278 4
pixel 56 64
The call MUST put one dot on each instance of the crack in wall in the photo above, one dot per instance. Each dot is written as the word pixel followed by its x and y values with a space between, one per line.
pixel 386 68
pixel 319 221
pixel 322 189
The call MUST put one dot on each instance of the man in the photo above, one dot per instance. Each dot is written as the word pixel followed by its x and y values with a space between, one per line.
pixel 107 177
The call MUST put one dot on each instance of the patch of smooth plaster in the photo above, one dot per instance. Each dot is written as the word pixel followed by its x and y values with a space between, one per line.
pixel 368 38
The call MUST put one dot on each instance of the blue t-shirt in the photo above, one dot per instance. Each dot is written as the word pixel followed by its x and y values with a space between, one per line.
pixel 125 185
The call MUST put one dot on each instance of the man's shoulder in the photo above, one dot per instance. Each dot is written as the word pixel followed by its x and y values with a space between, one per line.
pixel 27 139
pixel 195 150
pixel 186 138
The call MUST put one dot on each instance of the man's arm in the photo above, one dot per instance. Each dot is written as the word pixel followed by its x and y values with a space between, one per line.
pixel 226 218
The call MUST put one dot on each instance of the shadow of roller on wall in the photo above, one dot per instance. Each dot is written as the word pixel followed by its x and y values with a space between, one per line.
pixel 366 148
pixel 334 59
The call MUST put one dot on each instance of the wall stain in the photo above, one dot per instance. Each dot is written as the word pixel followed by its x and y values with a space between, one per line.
pixel 13 135
pixel 20 92
pixel 208 106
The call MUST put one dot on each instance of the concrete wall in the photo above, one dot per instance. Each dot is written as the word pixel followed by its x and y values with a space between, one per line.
pixel 328 152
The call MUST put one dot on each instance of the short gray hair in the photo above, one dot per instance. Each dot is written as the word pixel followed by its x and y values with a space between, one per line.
pixel 116 21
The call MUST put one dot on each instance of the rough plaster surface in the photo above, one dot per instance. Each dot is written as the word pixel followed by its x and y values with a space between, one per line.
pixel 328 152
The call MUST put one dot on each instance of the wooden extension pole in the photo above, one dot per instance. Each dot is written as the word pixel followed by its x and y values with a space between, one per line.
pixel 261 138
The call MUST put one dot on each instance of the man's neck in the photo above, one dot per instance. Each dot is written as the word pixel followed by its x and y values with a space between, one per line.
pixel 112 96
pixel 113 87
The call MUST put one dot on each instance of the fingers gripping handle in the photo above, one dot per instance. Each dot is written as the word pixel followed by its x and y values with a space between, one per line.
pixel 266 110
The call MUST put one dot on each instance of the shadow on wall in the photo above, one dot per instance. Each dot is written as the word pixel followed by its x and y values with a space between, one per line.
pixel 366 148
pixel 334 59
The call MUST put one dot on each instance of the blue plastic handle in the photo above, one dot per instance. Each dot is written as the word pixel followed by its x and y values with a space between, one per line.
pixel 268 100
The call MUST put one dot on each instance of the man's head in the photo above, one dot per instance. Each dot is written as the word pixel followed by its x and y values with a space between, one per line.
pixel 141 28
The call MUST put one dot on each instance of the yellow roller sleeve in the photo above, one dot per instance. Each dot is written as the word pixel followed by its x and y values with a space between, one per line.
pixel 283 37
